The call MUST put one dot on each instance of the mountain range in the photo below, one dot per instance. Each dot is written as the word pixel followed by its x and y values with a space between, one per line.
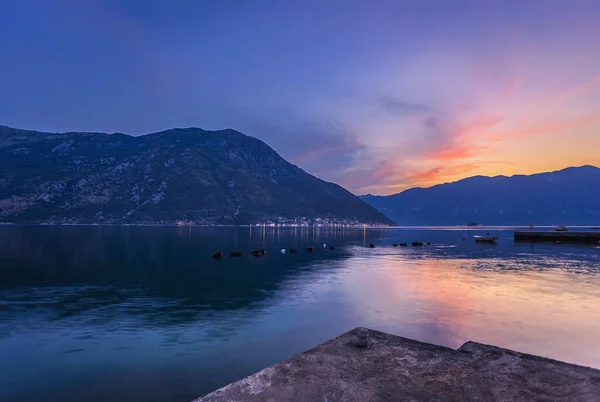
pixel 570 196
pixel 184 175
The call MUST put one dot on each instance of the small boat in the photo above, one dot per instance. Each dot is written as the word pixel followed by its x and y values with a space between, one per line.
pixel 403 244
pixel 418 243
pixel 561 229
pixel 217 255
pixel 485 239
pixel 331 248
pixel 293 250
pixel 310 249
pixel 395 244
pixel 258 253
pixel 371 245
pixel 235 253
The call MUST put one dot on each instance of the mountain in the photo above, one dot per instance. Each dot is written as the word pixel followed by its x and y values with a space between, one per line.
pixel 569 196
pixel 190 175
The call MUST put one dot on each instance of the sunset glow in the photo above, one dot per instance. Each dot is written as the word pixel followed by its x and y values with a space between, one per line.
pixel 376 96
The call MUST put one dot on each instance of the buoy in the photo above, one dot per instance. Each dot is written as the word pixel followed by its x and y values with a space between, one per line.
pixel 282 251
pixel 310 249
pixel 324 245
pixel 235 253
pixel 217 255
pixel 395 245
pixel 331 248
pixel 293 250
pixel 371 245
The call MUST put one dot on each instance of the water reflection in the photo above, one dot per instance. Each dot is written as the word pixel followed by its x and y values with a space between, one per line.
pixel 84 306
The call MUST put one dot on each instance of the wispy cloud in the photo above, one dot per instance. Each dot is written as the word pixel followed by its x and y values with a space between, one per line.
pixel 440 173
pixel 400 107
pixel 460 141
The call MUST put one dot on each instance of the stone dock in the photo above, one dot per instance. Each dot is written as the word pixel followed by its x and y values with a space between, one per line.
pixel 564 237
pixel 392 368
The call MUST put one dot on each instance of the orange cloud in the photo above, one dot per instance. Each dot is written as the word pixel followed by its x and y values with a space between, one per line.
pixel 447 171
pixel 426 176
pixel 546 128
pixel 463 142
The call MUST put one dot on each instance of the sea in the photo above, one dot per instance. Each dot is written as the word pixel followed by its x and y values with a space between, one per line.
pixel 129 313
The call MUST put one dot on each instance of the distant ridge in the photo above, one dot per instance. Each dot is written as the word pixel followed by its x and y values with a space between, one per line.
pixel 183 175
pixel 567 196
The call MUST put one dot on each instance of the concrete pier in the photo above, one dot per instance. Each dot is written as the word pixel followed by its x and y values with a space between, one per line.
pixel 565 237
pixel 392 368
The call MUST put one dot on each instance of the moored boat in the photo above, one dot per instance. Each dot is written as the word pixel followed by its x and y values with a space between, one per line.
pixel 486 239
pixel 561 229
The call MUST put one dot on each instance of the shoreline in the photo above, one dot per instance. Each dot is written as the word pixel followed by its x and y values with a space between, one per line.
pixel 271 226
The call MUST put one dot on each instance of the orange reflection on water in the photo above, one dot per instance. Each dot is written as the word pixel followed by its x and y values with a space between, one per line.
pixel 550 312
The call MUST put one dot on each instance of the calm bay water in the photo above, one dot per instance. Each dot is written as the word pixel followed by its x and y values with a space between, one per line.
pixel 143 313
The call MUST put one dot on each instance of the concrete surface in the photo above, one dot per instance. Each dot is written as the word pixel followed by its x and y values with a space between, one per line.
pixel 393 368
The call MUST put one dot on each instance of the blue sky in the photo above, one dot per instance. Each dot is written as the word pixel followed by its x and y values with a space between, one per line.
pixel 375 95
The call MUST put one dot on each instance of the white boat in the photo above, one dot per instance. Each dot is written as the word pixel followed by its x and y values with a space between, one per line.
pixel 486 239
pixel 561 229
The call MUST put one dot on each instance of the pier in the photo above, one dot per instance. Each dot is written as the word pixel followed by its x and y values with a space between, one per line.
pixel 367 365
pixel 565 237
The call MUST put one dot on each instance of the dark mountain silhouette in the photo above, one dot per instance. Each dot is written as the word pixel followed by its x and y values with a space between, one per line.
pixel 192 175
pixel 568 196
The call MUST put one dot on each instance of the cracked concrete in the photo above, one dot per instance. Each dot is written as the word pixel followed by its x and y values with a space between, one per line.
pixel 393 368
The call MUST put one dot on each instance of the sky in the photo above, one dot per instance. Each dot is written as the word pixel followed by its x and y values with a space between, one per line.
pixel 377 96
